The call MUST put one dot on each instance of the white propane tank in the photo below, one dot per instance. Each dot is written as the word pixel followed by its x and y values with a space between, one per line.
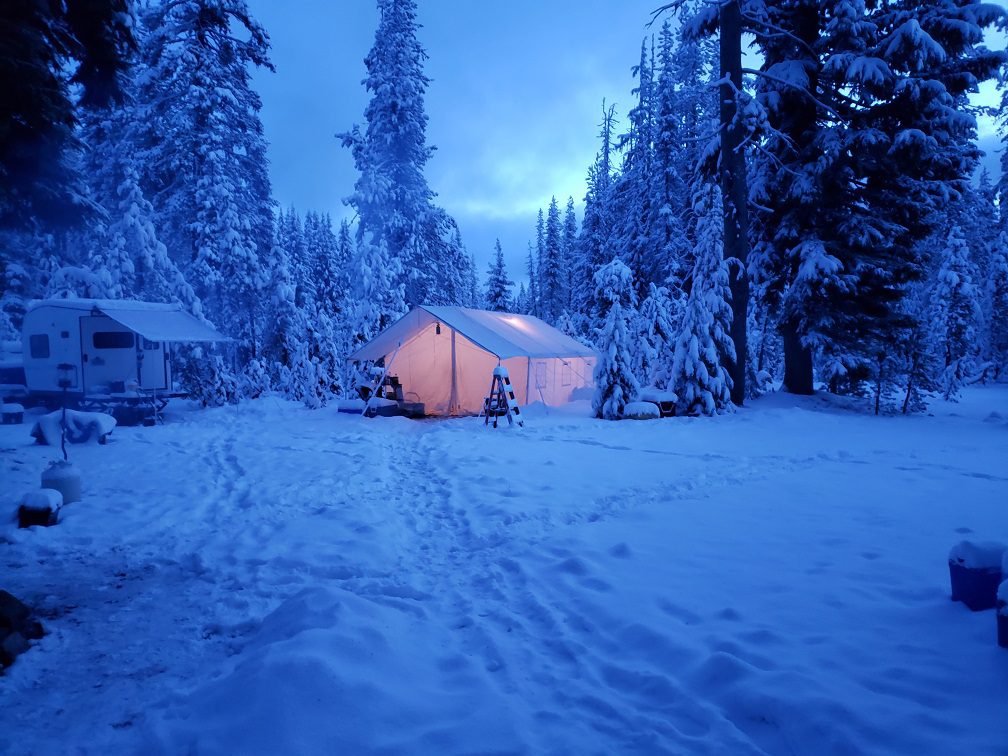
pixel 63 477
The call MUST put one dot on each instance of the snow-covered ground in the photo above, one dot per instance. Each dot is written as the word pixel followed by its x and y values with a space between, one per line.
pixel 268 579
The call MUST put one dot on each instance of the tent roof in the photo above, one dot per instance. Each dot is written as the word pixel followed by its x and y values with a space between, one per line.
pixel 154 321
pixel 502 334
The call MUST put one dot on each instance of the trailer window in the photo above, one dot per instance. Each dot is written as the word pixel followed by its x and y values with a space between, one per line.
pixel 38 345
pixel 150 345
pixel 112 340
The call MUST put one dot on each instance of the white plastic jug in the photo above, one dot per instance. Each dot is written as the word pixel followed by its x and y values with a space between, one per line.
pixel 63 477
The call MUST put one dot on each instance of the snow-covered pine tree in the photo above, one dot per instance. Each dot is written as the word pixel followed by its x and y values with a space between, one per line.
pixel 956 314
pixel 636 183
pixel 324 294
pixel 521 299
pixel 997 286
pixel 393 201
pixel 531 299
pixel 658 327
pixel 870 137
pixel 304 244
pixel 456 278
pixel 59 60
pixel 595 241
pixel 325 264
pixel 473 296
pixel 918 365
pixel 703 345
pixel 143 269
pixel 977 216
pixel 539 303
pixel 568 246
pixel 292 345
pixel 684 101
pixel 551 274
pixel 615 383
pixel 376 296
pixel 498 288
pixel 208 182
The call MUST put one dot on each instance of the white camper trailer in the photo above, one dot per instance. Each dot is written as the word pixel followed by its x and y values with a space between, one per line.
pixel 101 347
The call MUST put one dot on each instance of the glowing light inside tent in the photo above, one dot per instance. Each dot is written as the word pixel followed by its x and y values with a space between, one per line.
pixel 516 322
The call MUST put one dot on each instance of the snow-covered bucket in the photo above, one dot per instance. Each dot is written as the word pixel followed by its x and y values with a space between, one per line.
pixel 975 572
pixel 63 477
pixel 39 508
pixel 1002 614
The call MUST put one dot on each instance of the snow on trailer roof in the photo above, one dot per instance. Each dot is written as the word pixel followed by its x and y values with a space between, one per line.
pixel 155 321
pixel 502 334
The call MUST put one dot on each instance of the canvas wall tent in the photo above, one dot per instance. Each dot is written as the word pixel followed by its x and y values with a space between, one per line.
pixel 446 357
pixel 107 344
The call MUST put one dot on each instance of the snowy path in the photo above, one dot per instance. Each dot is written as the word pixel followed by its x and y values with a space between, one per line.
pixel 270 579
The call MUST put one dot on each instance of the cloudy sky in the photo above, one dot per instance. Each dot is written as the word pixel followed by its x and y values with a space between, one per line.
pixel 515 97
pixel 514 103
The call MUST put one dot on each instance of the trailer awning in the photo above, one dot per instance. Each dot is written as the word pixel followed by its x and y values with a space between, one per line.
pixel 163 324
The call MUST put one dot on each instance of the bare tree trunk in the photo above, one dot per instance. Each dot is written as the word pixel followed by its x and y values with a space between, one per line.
pixel 734 189
pixel 797 361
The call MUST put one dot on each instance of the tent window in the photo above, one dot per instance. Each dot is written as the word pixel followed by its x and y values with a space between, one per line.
pixel 540 375
pixel 112 340
pixel 38 344
pixel 565 375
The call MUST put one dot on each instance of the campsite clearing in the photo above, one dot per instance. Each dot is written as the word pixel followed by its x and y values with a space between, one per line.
pixel 265 579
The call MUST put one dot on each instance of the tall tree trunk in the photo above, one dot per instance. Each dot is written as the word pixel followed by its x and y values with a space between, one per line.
pixel 734 190
pixel 797 361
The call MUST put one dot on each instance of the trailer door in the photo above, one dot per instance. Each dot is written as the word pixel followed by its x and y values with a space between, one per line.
pixel 109 355
pixel 153 366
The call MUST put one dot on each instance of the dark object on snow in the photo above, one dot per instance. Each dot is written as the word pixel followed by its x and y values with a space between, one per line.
pixel 11 414
pixel 388 400
pixel 40 508
pixel 131 415
pixel 17 627
pixel 1002 614
pixel 665 400
pixel 975 572
pixel 29 517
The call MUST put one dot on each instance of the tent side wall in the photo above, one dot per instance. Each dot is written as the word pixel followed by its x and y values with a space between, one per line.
pixel 423 365
pixel 558 380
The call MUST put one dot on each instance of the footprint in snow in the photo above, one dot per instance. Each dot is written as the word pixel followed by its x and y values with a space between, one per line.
pixel 620 551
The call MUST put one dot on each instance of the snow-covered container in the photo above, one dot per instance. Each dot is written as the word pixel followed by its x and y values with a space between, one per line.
pixel 39 508
pixel 641 411
pixel 11 414
pixel 664 399
pixel 64 478
pixel 975 572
